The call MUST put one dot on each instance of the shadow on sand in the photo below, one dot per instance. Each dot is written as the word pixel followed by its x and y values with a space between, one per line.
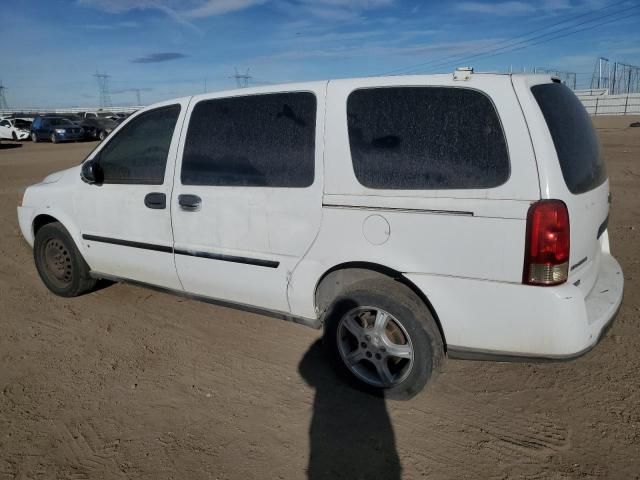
pixel 351 436
pixel 8 146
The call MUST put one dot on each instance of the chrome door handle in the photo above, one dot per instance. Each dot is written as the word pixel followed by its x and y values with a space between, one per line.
pixel 189 202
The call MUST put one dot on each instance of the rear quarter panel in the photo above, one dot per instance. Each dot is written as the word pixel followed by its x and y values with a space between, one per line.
pixel 587 211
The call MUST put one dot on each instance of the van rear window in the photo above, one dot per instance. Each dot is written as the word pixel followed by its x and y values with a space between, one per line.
pixel 426 138
pixel 573 136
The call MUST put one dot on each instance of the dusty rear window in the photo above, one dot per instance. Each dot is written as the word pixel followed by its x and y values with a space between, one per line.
pixel 425 138
pixel 573 136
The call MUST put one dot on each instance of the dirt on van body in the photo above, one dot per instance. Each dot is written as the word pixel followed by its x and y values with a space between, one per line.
pixel 131 383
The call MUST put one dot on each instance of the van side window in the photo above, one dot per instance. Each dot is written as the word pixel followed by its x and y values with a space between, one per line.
pixel 426 138
pixel 253 141
pixel 138 153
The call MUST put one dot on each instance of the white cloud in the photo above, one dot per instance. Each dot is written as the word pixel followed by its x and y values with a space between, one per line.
pixel 502 8
pixel 331 10
pixel 556 4
pixel 186 11
pixel 220 7
pixel 110 26
pixel 519 8
pixel 180 11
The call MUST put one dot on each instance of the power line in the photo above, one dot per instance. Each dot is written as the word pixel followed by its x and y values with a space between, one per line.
pixel 566 34
pixel 507 41
pixel 494 52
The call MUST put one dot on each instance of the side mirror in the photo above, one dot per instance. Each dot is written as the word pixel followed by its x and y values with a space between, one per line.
pixel 91 172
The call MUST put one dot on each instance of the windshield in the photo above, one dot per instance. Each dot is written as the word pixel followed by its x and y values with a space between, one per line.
pixel 105 114
pixel 22 124
pixel 60 122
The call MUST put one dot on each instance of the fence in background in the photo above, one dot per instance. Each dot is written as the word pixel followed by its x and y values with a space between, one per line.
pixel 599 102
pixel 36 110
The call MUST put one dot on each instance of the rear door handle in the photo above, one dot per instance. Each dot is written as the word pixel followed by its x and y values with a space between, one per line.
pixel 156 200
pixel 190 203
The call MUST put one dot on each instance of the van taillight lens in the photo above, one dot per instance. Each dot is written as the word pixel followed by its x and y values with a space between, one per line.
pixel 546 260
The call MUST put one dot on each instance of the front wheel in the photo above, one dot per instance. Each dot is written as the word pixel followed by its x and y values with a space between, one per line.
pixel 382 338
pixel 14 136
pixel 59 263
pixel 102 135
pixel 34 137
pixel 53 138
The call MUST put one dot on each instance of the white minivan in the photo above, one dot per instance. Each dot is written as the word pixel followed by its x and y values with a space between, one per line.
pixel 411 217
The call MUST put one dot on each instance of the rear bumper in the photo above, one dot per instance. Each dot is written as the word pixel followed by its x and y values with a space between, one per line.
pixel 510 322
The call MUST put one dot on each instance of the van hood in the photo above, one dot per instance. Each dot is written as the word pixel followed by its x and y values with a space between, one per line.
pixel 57 176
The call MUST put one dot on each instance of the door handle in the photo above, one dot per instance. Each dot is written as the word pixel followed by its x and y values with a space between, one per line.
pixel 190 203
pixel 156 200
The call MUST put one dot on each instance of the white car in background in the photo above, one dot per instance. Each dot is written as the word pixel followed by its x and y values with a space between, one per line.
pixel 15 128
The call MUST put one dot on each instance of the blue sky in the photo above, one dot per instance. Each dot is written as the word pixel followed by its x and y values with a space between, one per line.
pixel 168 48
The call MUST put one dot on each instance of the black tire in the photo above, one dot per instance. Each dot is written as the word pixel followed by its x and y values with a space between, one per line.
pixel 59 263
pixel 415 321
pixel 102 135
pixel 14 136
pixel 34 137
pixel 53 138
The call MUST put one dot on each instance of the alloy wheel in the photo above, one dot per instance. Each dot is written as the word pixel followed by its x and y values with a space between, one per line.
pixel 375 346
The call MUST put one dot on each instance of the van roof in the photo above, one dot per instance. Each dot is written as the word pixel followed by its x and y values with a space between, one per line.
pixel 536 78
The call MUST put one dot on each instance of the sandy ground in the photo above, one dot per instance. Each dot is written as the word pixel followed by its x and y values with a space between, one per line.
pixel 131 383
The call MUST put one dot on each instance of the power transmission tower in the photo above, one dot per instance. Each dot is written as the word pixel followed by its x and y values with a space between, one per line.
pixel 3 99
pixel 242 80
pixel 600 77
pixel 103 88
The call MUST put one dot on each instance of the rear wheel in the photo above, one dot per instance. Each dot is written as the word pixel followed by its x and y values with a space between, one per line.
pixel 59 263
pixel 34 137
pixel 383 339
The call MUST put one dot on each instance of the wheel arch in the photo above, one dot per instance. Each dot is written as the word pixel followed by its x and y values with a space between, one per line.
pixel 41 220
pixel 340 276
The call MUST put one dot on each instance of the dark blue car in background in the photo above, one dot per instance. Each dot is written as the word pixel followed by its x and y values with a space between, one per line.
pixel 55 129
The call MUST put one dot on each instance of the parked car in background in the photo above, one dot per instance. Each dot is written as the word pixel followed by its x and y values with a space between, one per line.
pixel 97 128
pixel 411 217
pixel 56 129
pixel 73 117
pixel 15 128
pixel 99 114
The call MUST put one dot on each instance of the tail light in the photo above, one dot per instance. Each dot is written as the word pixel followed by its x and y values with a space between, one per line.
pixel 546 257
